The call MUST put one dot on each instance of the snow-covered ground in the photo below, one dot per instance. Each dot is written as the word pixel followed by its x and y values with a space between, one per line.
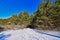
pixel 29 34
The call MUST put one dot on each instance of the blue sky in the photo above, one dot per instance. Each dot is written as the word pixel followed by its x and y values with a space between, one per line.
pixel 10 7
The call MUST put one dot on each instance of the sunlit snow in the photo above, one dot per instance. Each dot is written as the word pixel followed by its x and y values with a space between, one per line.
pixel 27 34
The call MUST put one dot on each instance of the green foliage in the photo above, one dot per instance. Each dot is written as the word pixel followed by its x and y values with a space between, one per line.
pixel 46 17
pixel 22 18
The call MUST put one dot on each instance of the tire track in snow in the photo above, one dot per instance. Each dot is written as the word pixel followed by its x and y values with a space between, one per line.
pixel 47 33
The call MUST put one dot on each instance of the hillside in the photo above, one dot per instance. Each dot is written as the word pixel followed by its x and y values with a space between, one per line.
pixel 46 17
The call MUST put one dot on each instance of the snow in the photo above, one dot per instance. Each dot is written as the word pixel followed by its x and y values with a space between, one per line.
pixel 27 34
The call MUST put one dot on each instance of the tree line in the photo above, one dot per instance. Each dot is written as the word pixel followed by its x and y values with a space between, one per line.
pixel 22 18
pixel 46 17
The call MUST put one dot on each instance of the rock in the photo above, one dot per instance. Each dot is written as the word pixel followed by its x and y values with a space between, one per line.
pixel 1 28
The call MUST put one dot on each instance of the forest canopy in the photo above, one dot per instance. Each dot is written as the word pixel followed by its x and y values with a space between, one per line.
pixel 46 17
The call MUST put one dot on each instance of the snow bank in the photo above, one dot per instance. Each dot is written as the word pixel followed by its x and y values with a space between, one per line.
pixel 25 34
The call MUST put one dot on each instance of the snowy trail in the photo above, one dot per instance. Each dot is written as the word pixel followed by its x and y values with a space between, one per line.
pixel 28 34
pixel 50 34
